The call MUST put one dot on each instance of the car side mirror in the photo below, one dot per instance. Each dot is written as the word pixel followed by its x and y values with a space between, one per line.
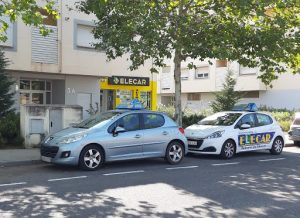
pixel 118 130
pixel 245 126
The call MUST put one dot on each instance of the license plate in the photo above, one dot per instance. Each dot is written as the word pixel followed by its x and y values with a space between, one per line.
pixel 46 159
pixel 192 142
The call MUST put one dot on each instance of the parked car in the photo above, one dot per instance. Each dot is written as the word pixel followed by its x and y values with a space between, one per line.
pixel 116 135
pixel 294 133
pixel 230 132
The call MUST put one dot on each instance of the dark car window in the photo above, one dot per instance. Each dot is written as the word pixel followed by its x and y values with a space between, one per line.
pixel 247 119
pixel 129 122
pixel 153 121
pixel 263 120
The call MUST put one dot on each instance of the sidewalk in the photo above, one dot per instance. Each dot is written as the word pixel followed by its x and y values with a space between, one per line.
pixel 15 157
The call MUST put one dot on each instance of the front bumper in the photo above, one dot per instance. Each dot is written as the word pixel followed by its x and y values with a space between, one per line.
pixel 206 146
pixel 53 153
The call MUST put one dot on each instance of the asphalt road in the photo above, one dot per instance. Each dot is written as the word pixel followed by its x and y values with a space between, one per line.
pixel 255 184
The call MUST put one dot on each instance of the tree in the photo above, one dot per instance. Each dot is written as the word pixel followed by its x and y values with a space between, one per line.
pixel 262 34
pixel 227 97
pixel 29 11
pixel 6 96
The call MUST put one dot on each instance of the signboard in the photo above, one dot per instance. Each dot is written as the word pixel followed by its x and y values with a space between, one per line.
pixel 129 81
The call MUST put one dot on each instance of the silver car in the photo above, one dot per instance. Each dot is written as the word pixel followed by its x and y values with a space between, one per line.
pixel 294 133
pixel 116 135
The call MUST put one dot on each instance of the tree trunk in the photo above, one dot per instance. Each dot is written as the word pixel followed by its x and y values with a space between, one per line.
pixel 177 78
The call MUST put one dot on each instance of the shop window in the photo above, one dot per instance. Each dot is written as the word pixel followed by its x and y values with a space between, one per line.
pixel 25 84
pixel 24 98
pixel 221 63
pixel 38 85
pixel 194 96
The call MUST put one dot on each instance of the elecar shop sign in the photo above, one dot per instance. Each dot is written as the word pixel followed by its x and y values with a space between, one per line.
pixel 129 81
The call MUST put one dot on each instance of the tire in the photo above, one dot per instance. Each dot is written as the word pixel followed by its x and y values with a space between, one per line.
pixel 91 158
pixel 228 149
pixel 277 146
pixel 297 143
pixel 174 153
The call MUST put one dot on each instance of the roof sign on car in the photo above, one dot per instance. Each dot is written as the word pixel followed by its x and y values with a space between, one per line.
pixel 251 107
pixel 135 104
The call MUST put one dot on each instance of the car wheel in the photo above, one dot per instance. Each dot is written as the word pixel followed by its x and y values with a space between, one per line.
pixel 297 143
pixel 91 158
pixel 277 146
pixel 228 149
pixel 174 153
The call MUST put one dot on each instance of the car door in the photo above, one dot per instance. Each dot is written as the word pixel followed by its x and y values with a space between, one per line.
pixel 246 137
pixel 156 136
pixel 265 131
pixel 128 143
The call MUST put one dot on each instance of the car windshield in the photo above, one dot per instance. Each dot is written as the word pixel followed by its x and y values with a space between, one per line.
pixel 97 119
pixel 220 119
pixel 297 121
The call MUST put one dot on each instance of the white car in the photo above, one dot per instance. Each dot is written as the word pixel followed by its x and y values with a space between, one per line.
pixel 228 133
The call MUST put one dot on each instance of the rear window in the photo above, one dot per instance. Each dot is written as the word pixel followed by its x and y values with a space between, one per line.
pixel 153 121
pixel 297 121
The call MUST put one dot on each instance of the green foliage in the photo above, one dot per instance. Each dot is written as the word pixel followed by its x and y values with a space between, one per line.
pixel 190 117
pixel 260 34
pixel 29 12
pixel 6 96
pixel 10 130
pixel 227 97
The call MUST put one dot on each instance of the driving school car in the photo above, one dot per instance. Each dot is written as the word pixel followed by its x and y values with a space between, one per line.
pixel 116 135
pixel 231 132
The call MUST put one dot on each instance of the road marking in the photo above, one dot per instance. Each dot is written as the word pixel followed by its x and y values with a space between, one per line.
pixel 12 184
pixel 120 173
pixel 265 160
pixel 67 178
pixel 225 164
pixel 177 168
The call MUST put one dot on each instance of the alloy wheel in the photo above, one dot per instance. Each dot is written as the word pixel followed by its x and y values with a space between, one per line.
pixel 278 145
pixel 92 158
pixel 175 153
pixel 229 149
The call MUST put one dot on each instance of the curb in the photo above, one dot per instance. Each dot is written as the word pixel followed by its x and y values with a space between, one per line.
pixel 20 163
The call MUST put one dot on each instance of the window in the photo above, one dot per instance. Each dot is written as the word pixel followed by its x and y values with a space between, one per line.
pixel 153 121
pixel 9 33
pixel 185 73
pixel 221 63
pixel 202 73
pixel 85 36
pixel 263 120
pixel 166 70
pixel 251 94
pixel 247 70
pixel 35 91
pixel 248 119
pixel 129 122
pixel 194 96
pixel 297 121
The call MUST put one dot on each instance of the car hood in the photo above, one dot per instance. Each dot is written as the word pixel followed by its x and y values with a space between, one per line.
pixel 201 131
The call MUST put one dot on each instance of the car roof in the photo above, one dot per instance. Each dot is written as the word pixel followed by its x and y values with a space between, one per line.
pixel 136 111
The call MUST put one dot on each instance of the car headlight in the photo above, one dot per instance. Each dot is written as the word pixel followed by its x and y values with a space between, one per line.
pixel 217 134
pixel 72 139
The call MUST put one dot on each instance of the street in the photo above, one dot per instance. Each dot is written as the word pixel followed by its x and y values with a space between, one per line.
pixel 254 184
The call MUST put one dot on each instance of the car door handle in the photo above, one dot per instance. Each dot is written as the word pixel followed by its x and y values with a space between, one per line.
pixel 137 136
pixel 165 133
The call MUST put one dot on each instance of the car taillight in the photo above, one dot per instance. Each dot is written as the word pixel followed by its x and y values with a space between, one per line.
pixel 181 130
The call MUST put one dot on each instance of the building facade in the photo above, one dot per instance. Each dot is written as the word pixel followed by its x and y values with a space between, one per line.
pixel 200 84
pixel 64 67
